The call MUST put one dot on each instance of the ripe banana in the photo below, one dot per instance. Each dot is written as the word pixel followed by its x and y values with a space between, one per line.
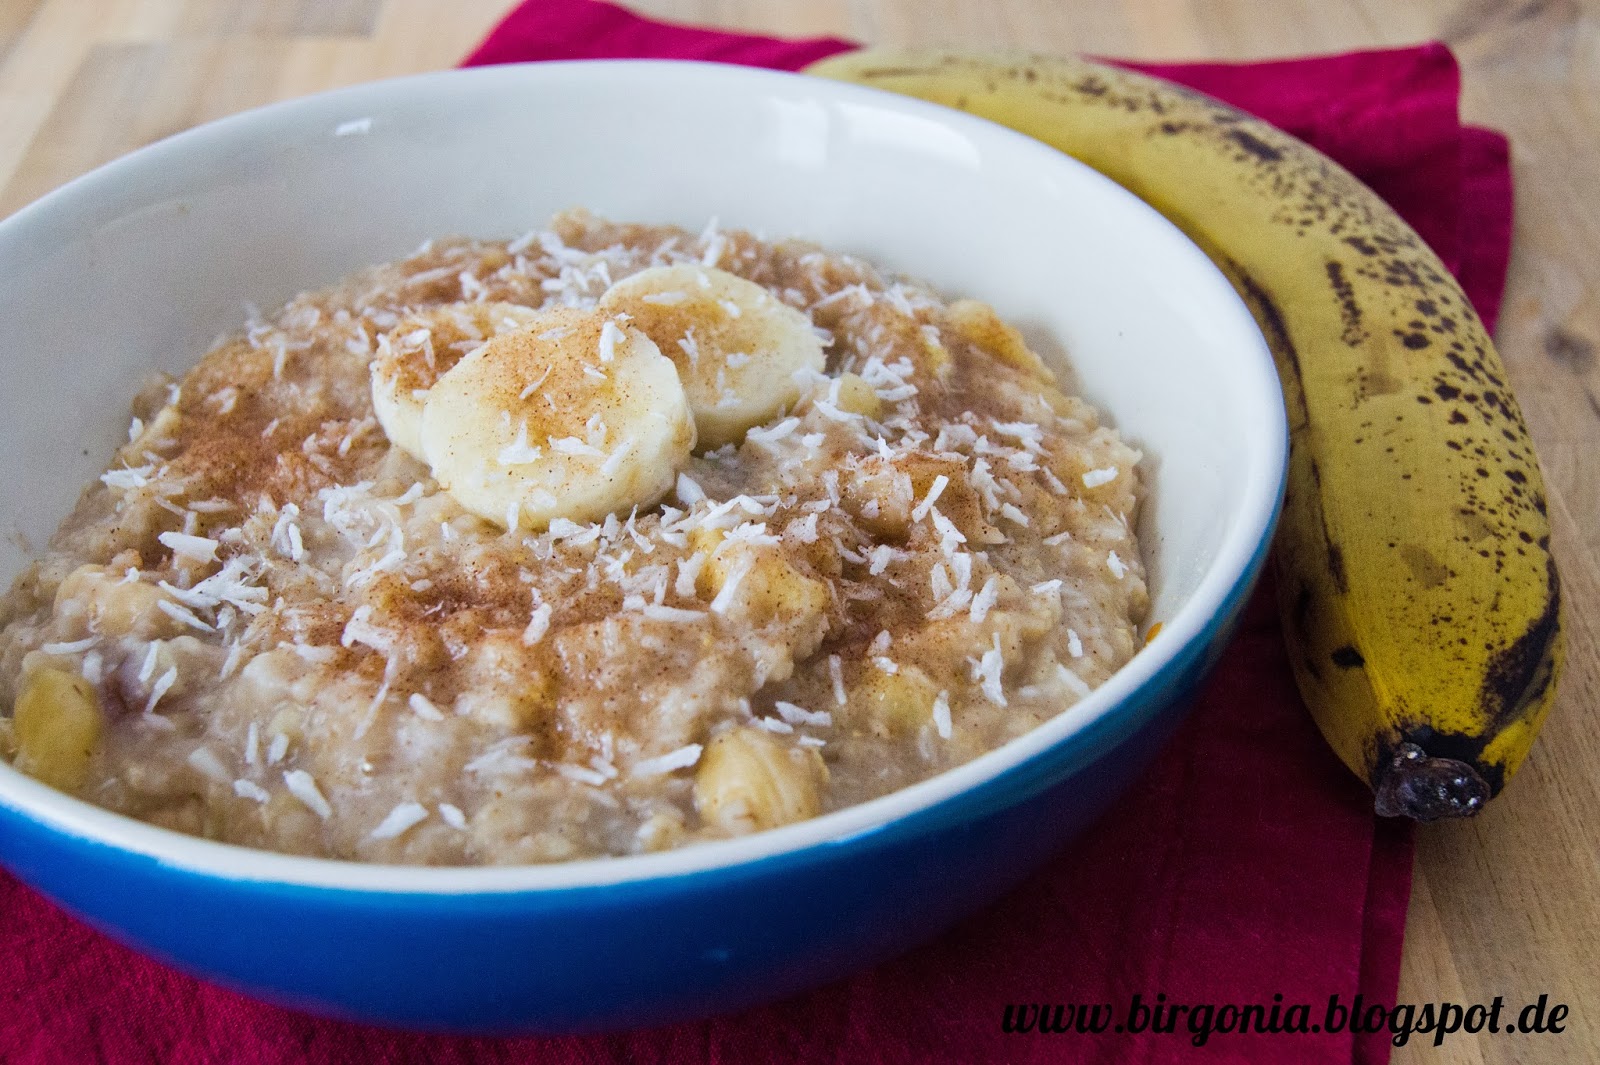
pixel 420 349
pixel 736 347
pixel 574 416
pixel 1419 597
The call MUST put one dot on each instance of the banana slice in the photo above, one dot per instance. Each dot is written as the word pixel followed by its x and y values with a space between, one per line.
pixel 736 346
pixel 575 416
pixel 423 347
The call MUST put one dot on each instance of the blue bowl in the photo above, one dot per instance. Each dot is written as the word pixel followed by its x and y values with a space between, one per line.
pixel 168 241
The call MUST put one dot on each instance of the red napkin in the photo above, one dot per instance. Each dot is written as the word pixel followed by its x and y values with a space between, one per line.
pixel 1246 864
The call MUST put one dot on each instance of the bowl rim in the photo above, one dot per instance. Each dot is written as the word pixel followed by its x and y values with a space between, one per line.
pixel 1182 637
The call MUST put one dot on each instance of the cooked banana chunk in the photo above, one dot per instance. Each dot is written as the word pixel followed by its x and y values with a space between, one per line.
pixel 576 416
pixel 748 781
pixel 422 348
pixel 736 346
pixel 977 323
pixel 58 727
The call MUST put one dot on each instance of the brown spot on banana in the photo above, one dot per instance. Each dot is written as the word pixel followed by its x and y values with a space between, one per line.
pixel 1520 674
pixel 1341 581
pixel 1349 307
pixel 1427 569
pixel 1267 316
pixel 1254 145
pixel 1347 657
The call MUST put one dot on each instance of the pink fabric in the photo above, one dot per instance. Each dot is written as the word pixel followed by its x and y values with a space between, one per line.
pixel 1245 864
pixel 585 29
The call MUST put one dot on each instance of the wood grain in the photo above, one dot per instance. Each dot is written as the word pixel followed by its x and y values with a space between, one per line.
pixel 1508 904
pixel 14 19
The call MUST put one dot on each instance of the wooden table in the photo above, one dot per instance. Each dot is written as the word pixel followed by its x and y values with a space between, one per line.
pixel 1507 904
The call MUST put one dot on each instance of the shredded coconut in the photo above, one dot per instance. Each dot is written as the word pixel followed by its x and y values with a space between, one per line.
pixel 690 347
pixel 799 715
pixel 199 548
pixel 205 760
pixel 249 789
pixel 988 671
pixel 533 386
pixel 400 820
pixel 502 757
pixel 93 667
pixel 681 758
pixel 303 786
pixel 730 586
pixel 609 335
pixel 162 686
pixel 941 715
pixel 423 707
pixel 71 646
pixel 948 533
pixel 252 790
pixel 836 674
pixel 613 462
pixel 538 625
pixel 934 491
pixel 582 774
pixel 1076 683
pixel 519 452
pixel 984 601
pixel 1010 512
pixel 689 491
pixel 571 445
pixel 125 479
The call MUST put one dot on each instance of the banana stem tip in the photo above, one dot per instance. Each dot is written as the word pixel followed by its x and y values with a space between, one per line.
pixel 1417 785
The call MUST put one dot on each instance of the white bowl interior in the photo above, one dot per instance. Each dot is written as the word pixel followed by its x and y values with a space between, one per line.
pixel 139 266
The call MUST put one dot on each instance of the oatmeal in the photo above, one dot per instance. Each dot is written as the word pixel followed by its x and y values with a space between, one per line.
pixel 609 539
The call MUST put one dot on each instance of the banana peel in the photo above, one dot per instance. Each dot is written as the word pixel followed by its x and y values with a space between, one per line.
pixel 1419 596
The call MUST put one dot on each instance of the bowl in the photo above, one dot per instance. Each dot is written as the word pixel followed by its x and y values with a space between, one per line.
pixel 140 264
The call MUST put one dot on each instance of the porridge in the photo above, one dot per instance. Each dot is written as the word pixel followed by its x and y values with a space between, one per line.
pixel 609 539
